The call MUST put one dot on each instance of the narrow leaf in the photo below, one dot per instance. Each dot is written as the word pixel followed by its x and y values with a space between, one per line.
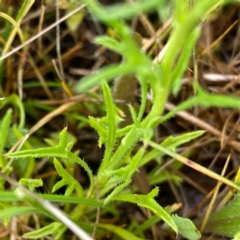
pixel 148 202
pixel 15 211
pixel 43 232
pixel 176 75
pixel 56 151
pixel 68 179
pixel 171 143
pixel 121 11
pixel 4 129
pixel 111 43
pixel 121 232
pixel 107 73
pixel 11 197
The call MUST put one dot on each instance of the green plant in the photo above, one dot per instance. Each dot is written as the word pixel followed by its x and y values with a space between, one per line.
pixel 120 162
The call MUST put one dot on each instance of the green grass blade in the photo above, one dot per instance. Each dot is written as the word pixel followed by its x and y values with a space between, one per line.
pixel 107 73
pixel 11 197
pixel 15 211
pixel 122 11
pixel 119 231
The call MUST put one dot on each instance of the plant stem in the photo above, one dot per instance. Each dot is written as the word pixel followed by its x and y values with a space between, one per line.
pixel 183 30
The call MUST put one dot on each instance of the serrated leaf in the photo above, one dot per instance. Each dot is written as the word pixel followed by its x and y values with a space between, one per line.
pixel 171 143
pixel 209 99
pixel 149 202
pixel 56 151
pixel 67 179
pixel 61 151
pixel 111 121
pixel 31 183
pixel 101 130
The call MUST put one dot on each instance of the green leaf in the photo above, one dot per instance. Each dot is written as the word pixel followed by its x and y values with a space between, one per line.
pixel 15 211
pixel 56 151
pixel 84 165
pixel 43 232
pixel 111 119
pixel 107 73
pixel 122 177
pixel 111 43
pixel 123 233
pixel 16 102
pixel 227 220
pixel 4 130
pixel 147 224
pixel 31 183
pixel 203 99
pixel 101 130
pixel 144 89
pixel 67 180
pixel 186 228
pixel 171 143
pixel 25 166
pixel 61 150
pixel 209 99
pixel 58 185
pixel 121 11
pixel 11 197
pixel 148 202
pixel 176 75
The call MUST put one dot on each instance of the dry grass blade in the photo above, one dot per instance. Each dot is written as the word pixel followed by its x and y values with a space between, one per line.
pixel 203 125
pixel 206 50
pixel 6 55
pixel 195 166
pixel 210 206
